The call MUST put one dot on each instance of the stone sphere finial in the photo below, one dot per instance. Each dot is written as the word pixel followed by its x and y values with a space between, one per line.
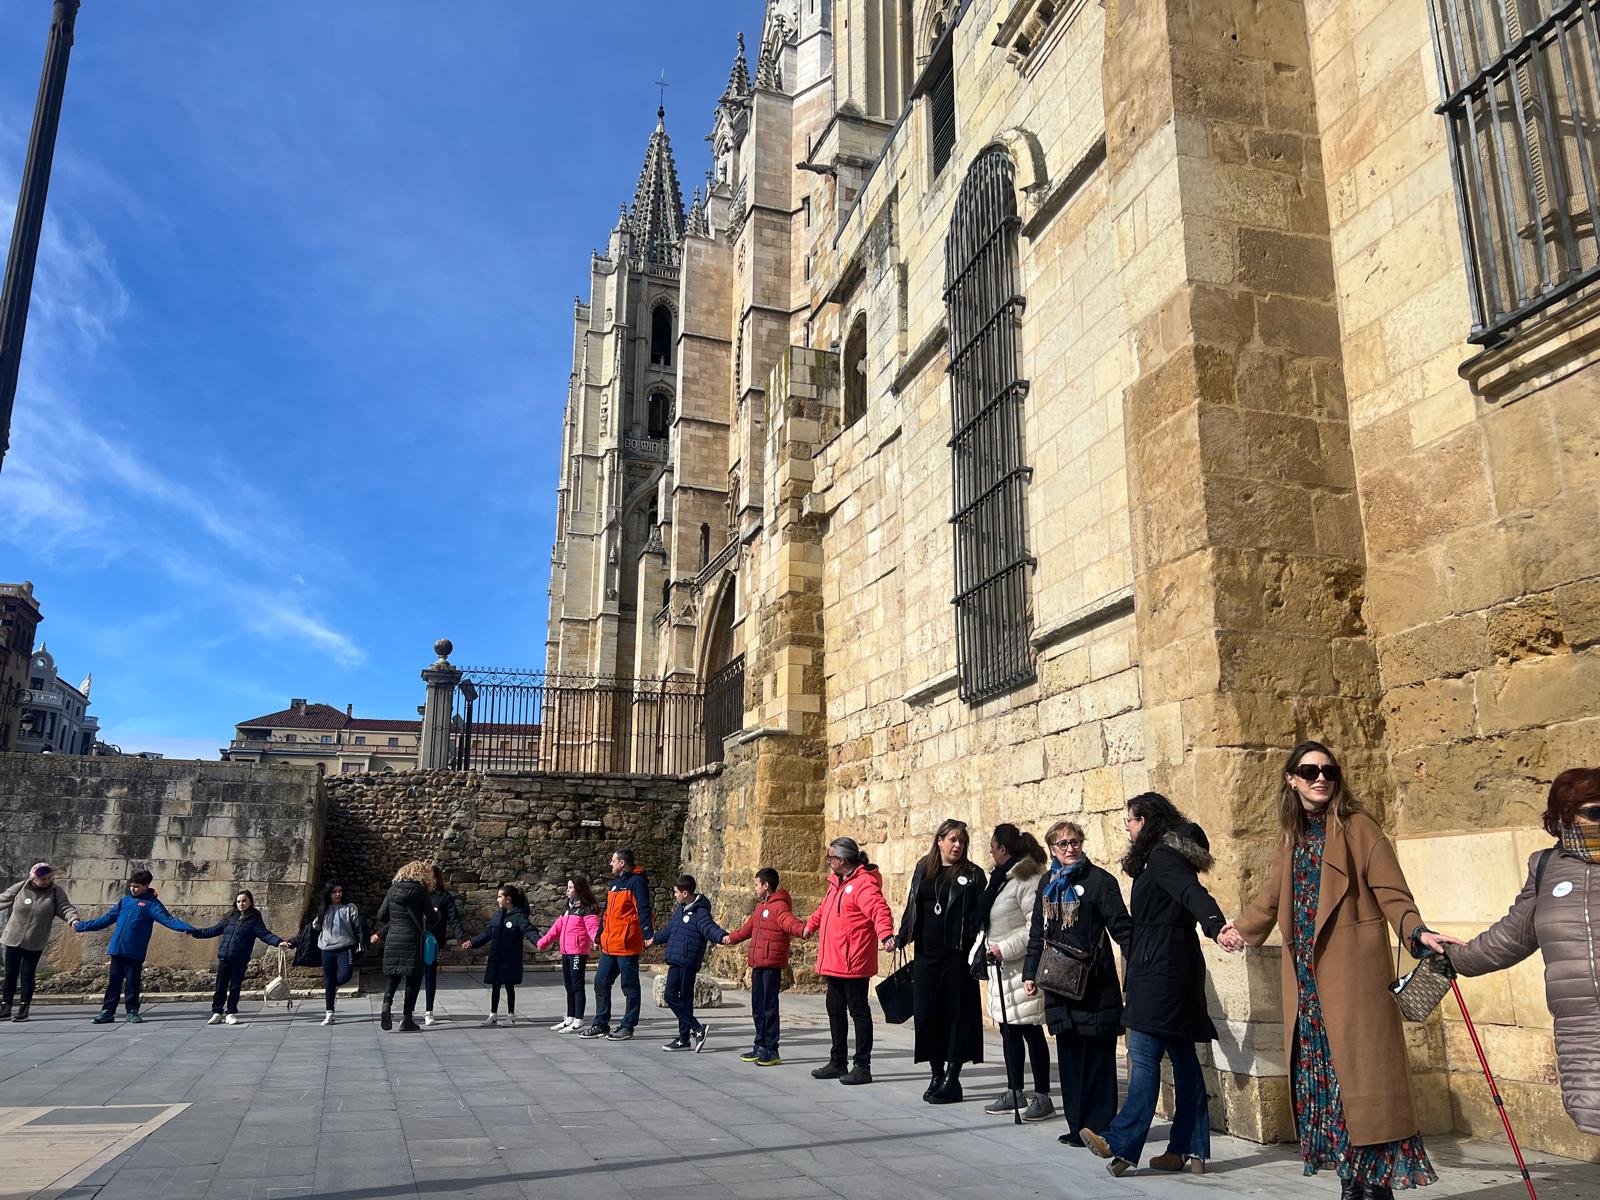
pixel 443 647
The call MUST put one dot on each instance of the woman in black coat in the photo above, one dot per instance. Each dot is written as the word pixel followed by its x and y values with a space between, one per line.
pixel 1080 905
pixel 402 920
pixel 503 935
pixel 1166 978
pixel 444 924
pixel 943 918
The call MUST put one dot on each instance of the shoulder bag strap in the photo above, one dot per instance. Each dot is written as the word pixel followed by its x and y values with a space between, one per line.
pixel 1538 872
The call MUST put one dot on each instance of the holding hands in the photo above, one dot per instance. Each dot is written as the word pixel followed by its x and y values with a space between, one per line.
pixel 1230 939
pixel 890 943
pixel 374 939
pixel 466 943
pixel 1436 942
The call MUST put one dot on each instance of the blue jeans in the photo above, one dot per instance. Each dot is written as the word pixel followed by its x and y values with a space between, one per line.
pixel 126 973
pixel 764 983
pixel 680 999
pixel 1191 1124
pixel 337 967
pixel 606 973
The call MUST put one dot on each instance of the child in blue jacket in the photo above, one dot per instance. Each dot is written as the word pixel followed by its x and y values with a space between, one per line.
pixel 239 931
pixel 685 936
pixel 135 915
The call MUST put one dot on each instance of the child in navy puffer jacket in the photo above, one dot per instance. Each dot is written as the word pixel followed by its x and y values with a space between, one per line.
pixel 685 936
pixel 504 935
pixel 239 931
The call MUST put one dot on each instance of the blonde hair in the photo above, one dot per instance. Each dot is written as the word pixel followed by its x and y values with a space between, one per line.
pixel 1061 827
pixel 417 871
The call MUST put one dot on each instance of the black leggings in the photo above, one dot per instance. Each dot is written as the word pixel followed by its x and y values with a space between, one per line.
pixel 413 986
pixel 430 984
pixel 511 997
pixel 849 996
pixel 20 966
pixel 573 967
pixel 1015 1038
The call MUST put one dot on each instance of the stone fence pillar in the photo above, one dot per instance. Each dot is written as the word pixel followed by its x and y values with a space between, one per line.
pixel 433 747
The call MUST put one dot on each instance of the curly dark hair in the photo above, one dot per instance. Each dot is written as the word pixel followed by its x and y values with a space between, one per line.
pixel 1161 816
pixel 1571 790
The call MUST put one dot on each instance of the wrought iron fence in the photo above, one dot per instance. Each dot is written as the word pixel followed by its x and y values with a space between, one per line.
pixel 724 707
pixel 529 722
pixel 1521 82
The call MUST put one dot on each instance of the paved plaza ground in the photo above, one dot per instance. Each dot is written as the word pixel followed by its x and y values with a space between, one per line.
pixel 279 1108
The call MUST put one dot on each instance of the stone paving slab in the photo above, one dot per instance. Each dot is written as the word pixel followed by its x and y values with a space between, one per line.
pixel 280 1108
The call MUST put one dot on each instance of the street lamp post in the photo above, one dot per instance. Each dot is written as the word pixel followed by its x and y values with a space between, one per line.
pixel 18 286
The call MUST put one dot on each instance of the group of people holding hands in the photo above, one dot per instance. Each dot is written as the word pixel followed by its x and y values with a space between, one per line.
pixel 1036 930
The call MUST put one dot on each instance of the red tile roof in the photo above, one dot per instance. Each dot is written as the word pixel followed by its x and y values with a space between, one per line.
pixel 380 723
pixel 325 716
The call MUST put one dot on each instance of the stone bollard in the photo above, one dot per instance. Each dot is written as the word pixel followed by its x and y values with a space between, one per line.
pixel 707 992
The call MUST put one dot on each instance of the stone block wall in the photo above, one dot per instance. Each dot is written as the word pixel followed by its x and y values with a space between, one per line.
pixel 486 830
pixel 203 829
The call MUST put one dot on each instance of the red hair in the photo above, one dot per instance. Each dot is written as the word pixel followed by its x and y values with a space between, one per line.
pixel 1572 789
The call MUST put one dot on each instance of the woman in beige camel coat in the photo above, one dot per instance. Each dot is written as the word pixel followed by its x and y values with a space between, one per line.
pixel 1337 892
pixel 1558 911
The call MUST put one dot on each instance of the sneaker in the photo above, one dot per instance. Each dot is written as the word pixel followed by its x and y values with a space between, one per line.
pixel 231 1019
pixel 511 1018
pixel 135 1019
pixel 1040 1108
pixel 698 1037
pixel 593 1031
pixel 1003 1104
pixel 427 1018
pixel 620 1035
pixel 1119 1167
pixel 386 1020
pixel 491 1019
pixel 106 1017
pixel 216 1019
pixel 771 1060
pixel 677 1043
pixel 327 1018
pixel 573 1025
pixel 1094 1143
pixel 857 1074
pixel 829 1070
pixel 562 1025
pixel 752 1055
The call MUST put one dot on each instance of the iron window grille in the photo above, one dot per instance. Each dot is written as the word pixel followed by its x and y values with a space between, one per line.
pixel 984 312
pixel 1521 83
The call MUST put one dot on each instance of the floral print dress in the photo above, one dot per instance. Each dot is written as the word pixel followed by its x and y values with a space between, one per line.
pixel 1318 1111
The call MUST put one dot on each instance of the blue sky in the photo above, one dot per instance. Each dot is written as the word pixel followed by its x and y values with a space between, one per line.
pixel 291 394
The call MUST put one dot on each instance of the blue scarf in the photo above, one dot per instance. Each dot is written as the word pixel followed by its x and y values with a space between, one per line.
pixel 1063 879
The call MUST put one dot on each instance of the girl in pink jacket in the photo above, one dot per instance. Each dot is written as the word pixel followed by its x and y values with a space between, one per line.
pixel 575 930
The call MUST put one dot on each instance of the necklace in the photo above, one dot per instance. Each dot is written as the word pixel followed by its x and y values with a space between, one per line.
pixel 938 905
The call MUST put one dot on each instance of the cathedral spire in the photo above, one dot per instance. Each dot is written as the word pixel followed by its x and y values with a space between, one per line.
pixel 698 225
pixel 738 78
pixel 769 75
pixel 658 200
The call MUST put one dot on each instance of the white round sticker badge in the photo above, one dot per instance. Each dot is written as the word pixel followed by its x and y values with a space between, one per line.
pixel 27 899
pixel 962 880
pixel 508 924
pixel 1564 888
pixel 765 913
pixel 848 888
pixel 685 918
pixel 1078 888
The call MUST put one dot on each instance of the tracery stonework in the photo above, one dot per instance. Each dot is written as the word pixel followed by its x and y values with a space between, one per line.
pixel 1271 490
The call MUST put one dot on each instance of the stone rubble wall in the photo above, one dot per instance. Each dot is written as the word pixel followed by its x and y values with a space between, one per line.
pixel 487 830
pixel 203 829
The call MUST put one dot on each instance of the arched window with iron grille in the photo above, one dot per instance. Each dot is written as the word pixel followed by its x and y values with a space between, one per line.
pixel 993 568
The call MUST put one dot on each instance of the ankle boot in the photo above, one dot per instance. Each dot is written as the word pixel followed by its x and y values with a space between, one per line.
pixel 937 1073
pixel 5 1011
pixel 949 1092
pixel 1351 1189
pixel 22 1012
pixel 1372 1192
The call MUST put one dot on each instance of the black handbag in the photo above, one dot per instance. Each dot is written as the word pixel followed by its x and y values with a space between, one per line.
pixel 1064 969
pixel 895 991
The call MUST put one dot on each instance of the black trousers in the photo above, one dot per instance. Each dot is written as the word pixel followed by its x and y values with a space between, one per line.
pixel 764 983
pixel 337 967
pixel 680 999
pixel 1088 1080
pixel 511 997
pixel 126 973
pixel 573 969
pixel 430 984
pixel 413 987
pixel 1016 1039
pixel 230 979
pixel 849 996
pixel 20 967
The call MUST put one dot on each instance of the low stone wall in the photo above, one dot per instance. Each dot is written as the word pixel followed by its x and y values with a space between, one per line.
pixel 487 830
pixel 203 829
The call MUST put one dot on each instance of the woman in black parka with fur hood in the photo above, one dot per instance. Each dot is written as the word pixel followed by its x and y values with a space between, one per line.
pixel 402 919
pixel 1166 987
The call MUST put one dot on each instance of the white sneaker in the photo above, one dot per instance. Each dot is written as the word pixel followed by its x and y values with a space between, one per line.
pixel 427 1018
pixel 231 1019
pixel 511 1018
pixel 327 1018
pixel 491 1019
pixel 216 1019
pixel 562 1025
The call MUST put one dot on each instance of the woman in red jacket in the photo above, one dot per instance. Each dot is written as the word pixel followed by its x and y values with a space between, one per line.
pixel 852 922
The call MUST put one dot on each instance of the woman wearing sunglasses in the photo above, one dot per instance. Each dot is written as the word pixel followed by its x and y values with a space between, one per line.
pixel 1558 911
pixel 1080 904
pixel 1338 893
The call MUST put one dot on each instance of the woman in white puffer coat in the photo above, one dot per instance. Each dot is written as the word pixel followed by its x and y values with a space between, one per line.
pixel 1007 917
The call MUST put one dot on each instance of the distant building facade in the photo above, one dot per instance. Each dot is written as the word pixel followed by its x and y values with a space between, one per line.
pixel 55 715
pixel 19 619
pixel 321 735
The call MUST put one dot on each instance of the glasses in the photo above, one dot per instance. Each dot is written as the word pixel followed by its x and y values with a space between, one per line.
pixel 1067 843
pixel 1311 772
pixel 1590 812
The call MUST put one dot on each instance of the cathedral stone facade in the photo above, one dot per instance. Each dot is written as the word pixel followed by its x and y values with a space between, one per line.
pixel 1058 399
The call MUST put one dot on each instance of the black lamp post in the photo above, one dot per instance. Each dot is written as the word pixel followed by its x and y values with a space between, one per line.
pixel 18 286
